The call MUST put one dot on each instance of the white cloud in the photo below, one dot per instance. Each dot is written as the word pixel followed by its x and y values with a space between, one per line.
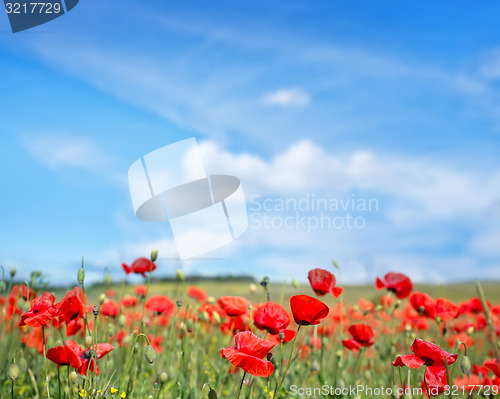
pixel 59 151
pixel 294 97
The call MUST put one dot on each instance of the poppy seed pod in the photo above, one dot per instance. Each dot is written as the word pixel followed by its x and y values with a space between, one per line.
pixel 154 254
pixel 163 378
pixel 179 275
pixel 212 394
pixel 282 336
pixel 81 275
pixel 178 303
pixel 150 354
pixel 465 364
pixel 88 341
pixel 73 377
pixel 265 281
pixel 95 311
pixel 13 372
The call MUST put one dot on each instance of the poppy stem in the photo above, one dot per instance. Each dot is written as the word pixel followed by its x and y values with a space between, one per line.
pixel 491 324
pixel 145 297
pixel 448 377
pixel 241 384
pixel 45 362
pixel 427 388
pixel 130 357
pixel 278 387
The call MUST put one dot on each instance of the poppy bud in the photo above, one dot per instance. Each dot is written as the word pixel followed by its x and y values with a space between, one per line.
pixel 394 392
pixel 470 330
pixel 26 306
pixel 102 298
pixel 127 340
pixel 163 378
pixel 154 254
pixel 378 308
pixel 183 328
pixel 3 286
pixel 179 275
pixel 22 363
pixel 111 330
pixel 216 317
pixel 204 316
pixel 341 384
pixel 465 364
pixel 81 275
pixel 315 366
pixel 212 394
pixel 59 343
pixel 295 283
pixel 13 272
pixel 178 303
pixel 189 324
pixel 95 311
pixel 211 300
pixel 88 341
pixel 253 288
pixel 368 375
pixel 339 354
pixel 121 320
pixel 109 279
pixel 13 372
pixel 73 377
pixel 150 354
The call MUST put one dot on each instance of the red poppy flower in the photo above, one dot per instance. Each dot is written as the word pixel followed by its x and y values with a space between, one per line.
pixel 73 326
pixel 398 283
pixel 129 301
pixel 492 364
pixel 140 290
pixel 197 293
pixel 423 304
pixel 139 266
pixel 436 380
pixel 73 355
pixel 72 305
pixel 110 308
pixel 323 282
pixel 424 353
pixel 362 335
pixel 445 309
pixel 473 305
pixel 288 336
pixel 42 311
pixel 307 310
pixel 271 317
pixel 249 353
pixel 160 304
pixel 233 305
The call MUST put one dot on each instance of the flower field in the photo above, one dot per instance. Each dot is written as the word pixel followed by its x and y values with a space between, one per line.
pixel 140 342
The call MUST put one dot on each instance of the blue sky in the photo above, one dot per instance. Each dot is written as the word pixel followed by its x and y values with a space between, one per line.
pixel 385 100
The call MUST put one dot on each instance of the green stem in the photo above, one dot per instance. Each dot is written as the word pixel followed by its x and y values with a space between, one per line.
pixel 278 387
pixel 241 385
pixel 45 362
pixel 130 358
pixel 427 388
pixel 491 324
pixel 145 297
